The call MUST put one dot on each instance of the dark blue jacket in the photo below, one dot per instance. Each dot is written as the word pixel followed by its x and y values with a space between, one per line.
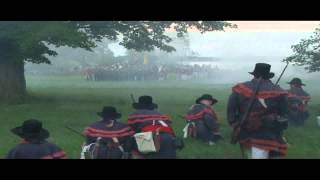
pixel 37 150
pixel 267 119
pixel 147 120
pixel 108 148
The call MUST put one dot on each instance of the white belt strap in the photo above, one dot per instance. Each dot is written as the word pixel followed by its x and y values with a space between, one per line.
pixel 115 140
pixel 85 149
pixel 263 103
pixel 163 123
pixel 185 131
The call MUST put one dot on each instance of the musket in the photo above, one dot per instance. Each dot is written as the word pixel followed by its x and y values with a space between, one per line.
pixel 125 154
pixel 75 131
pixel 132 98
pixel 282 73
pixel 237 129
pixel 285 68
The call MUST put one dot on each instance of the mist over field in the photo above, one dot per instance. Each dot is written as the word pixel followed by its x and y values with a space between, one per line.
pixel 78 83
pixel 229 52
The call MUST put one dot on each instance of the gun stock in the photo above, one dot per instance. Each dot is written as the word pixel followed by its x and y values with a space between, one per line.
pixel 237 130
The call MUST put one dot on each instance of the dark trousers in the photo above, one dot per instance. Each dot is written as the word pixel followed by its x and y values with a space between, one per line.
pixel 167 148
pixel 204 133
pixel 298 118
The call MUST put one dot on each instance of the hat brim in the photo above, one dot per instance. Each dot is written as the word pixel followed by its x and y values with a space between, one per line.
pixel 144 106
pixel 214 101
pixel 296 83
pixel 269 76
pixel 43 134
pixel 113 116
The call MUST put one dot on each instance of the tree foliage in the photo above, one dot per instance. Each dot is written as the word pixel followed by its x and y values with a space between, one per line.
pixel 28 40
pixel 307 53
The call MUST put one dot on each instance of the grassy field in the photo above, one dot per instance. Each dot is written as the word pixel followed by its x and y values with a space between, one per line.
pixel 72 101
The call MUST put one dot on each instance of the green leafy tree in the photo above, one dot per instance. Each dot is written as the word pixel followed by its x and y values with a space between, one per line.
pixel 307 53
pixel 29 41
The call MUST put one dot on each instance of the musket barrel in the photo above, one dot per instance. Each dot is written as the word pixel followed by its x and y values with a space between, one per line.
pixel 132 98
pixel 282 73
pixel 75 131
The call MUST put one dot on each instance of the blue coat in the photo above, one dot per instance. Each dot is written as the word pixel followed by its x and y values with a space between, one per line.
pixel 37 150
pixel 263 128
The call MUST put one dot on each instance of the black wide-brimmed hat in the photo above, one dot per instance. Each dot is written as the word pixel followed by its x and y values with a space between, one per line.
pixel 296 81
pixel 263 70
pixel 206 97
pixel 31 129
pixel 109 112
pixel 145 102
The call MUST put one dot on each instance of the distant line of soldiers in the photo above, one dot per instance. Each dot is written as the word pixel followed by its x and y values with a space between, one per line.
pixel 141 72
pixel 149 133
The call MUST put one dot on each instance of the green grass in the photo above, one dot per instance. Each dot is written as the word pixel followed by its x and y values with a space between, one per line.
pixel 59 101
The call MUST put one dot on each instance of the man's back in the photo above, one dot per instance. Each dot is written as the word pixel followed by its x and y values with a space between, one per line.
pixel 42 150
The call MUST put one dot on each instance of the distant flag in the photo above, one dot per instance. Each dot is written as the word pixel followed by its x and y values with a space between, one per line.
pixel 146 60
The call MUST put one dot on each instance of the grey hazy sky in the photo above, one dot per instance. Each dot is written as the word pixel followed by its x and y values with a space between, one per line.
pixel 224 44
pixel 270 40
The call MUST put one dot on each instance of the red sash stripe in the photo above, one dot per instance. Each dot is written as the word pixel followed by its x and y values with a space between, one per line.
pixel 306 98
pixel 108 134
pixel 139 116
pixel 245 91
pixel 266 144
pixel 199 115
pixel 161 128
pixel 59 154
pixel 133 121
pixel 56 155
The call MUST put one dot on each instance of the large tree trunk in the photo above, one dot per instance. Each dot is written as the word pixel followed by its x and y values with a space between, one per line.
pixel 12 81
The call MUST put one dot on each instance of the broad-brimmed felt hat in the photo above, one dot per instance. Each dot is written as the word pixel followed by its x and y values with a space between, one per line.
pixel 262 70
pixel 109 112
pixel 31 129
pixel 145 102
pixel 206 97
pixel 296 81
